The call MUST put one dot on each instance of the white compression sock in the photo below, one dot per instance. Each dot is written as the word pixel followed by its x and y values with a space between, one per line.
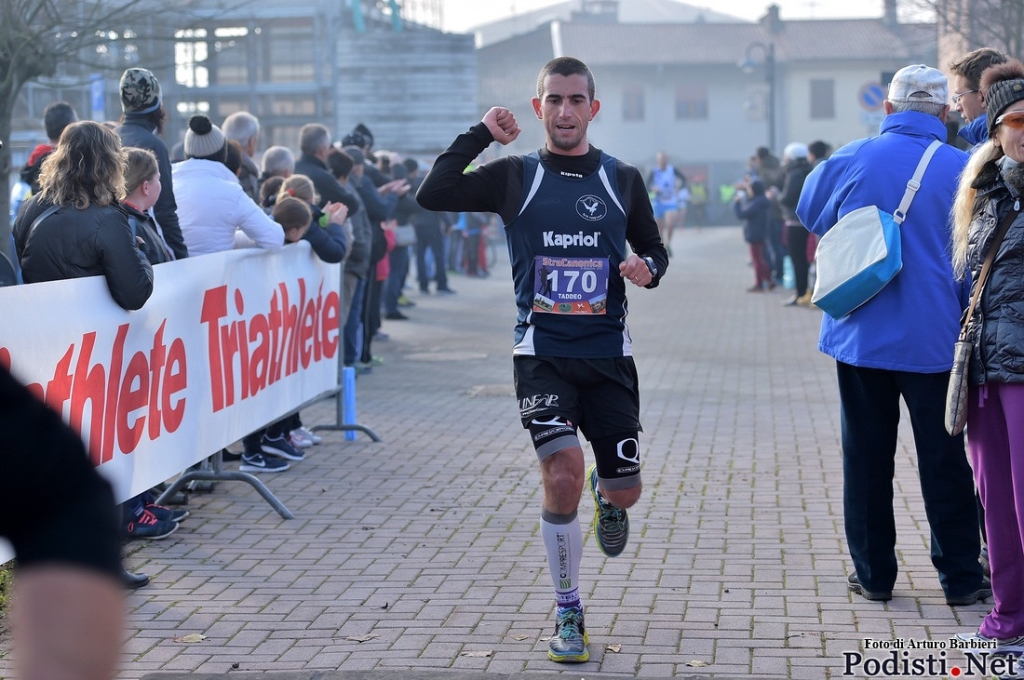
pixel 563 541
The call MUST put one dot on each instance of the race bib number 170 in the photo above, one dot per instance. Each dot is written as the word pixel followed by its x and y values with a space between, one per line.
pixel 570 285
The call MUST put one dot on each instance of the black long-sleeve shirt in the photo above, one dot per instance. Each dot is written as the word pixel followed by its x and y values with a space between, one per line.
pixel 54 507
pixel 566 239
pixel 497 187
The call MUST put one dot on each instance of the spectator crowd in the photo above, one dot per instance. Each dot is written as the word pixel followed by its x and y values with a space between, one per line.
pixel 113 199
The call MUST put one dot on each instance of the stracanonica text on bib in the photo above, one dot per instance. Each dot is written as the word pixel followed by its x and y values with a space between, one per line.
pixel 570 285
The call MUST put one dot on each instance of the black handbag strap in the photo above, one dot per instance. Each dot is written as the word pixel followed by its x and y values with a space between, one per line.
pixel 37 221
pixel 1004 226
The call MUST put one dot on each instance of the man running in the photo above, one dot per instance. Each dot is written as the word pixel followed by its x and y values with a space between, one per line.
pixel 666 183
pixel 569 210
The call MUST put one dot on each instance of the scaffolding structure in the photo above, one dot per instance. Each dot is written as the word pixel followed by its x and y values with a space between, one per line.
pixel 429 13
pixel 424 12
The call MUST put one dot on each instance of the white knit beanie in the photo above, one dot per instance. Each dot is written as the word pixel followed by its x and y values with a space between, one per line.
pixel 203 139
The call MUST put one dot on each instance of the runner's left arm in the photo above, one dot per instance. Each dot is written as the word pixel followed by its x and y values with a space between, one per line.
pixel 642 229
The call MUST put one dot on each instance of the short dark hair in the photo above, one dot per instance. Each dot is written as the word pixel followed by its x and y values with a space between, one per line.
pixel 819 149
pixel 56 117
pixel 973 64
pixel 566 66
pixel 339 162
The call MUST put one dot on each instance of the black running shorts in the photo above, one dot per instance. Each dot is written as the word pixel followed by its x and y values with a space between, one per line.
pixel 600 396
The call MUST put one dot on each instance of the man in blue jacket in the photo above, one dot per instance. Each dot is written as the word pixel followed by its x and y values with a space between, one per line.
pixel 968 100
pixel 900 343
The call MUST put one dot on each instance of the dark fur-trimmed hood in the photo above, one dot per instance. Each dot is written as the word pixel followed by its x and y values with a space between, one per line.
pixel 990 175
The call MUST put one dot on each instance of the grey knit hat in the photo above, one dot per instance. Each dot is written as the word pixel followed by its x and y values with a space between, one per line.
pixel 999 97
pixel 203 139
pixel 140 91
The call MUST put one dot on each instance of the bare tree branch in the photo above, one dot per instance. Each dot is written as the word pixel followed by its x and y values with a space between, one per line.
pixel 45 38
pixel 977 23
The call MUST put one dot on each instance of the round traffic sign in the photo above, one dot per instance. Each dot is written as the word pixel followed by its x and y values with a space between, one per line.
pixel 871 96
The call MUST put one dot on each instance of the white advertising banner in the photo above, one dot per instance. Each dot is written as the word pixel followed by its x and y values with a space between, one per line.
pixel 227 343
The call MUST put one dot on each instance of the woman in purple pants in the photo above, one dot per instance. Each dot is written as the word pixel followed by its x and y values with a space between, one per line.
pixel 991 186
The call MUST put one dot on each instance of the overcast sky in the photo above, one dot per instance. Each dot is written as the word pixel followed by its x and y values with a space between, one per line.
pixel 460 15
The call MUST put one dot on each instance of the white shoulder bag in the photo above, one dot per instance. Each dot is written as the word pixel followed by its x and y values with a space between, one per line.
pixel 857 257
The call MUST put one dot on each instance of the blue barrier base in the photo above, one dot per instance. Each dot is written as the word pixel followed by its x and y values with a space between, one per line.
pixel 345 408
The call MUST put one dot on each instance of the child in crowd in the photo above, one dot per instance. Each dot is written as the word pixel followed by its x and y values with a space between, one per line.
pixel 752 206
pixel 330 241
pixel 294 209
pixel 142 185
pixel 141 516
pixel 294 216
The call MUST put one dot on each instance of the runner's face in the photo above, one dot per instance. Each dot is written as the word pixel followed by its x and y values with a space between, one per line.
pixel 566 109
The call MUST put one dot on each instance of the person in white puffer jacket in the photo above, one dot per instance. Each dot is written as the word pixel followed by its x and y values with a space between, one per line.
pixel 211 203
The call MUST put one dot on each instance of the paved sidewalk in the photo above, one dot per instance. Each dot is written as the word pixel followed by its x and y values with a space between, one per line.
pixel 405 674
pixel 420 557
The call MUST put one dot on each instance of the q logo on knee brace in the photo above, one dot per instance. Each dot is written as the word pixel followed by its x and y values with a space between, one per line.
pixel 629 450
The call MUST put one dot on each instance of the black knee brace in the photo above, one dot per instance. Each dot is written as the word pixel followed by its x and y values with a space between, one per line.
pixel 551 435
pixel 618 459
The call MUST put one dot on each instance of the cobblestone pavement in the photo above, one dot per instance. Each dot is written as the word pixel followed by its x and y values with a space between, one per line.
pixel 422 553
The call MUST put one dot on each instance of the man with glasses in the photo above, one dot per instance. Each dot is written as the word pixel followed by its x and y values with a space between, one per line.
pixel 967 98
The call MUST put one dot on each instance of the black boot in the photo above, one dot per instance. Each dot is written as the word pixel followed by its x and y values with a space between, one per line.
pixel 133 581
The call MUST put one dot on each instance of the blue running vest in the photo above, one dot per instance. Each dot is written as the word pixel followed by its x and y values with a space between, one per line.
pixel 663 183
pixel 565 247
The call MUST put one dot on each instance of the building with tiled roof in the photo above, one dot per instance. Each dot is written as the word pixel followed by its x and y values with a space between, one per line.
pixel 678 87
pixel 631 12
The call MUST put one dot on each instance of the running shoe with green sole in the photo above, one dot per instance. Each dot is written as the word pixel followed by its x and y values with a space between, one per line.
pixel 611 524
pixel 569 644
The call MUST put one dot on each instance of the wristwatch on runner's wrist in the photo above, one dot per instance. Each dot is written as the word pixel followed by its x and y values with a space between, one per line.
pixel 650 265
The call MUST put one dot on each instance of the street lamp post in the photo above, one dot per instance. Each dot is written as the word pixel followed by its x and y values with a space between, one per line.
pixel 748 65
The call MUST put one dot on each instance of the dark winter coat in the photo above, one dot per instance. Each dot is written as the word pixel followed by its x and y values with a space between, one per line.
pixel 999 319
pixel 358 261
pixel 153 245
pixel 756 213
pixel 327 239
pixel 138 131
pixel 74 243
pixel 326 185
pixel 795 172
